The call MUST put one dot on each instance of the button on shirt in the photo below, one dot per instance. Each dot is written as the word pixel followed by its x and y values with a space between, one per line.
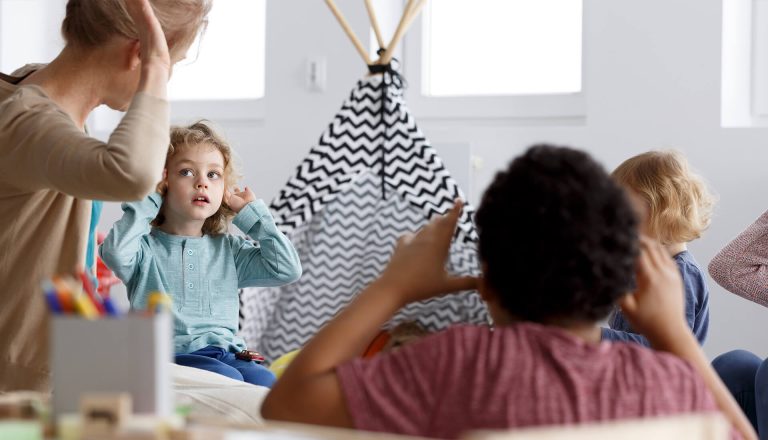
pixel 201 274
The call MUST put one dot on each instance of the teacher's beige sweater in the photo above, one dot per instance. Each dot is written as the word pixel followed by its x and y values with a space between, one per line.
pixel 50 171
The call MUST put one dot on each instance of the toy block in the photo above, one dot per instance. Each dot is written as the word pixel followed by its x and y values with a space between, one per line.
pixel 20 405
pixel 103 414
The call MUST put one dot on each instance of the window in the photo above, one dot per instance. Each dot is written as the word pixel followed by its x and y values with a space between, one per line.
pixel 760 58
pixel 228 63
pixel 223 75
pixel 29 32
pixel 497 59
pixel 222 78
pixel 502 47
pixel 744 87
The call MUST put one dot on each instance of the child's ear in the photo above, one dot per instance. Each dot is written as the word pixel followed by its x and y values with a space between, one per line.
pixel 225 199
pixel 486 293
pixel 162 186
pixel 496 311
pixel 485 290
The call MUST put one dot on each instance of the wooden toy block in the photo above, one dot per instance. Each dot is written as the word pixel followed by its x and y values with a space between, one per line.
pixel 19 410
pixel 20 405
pixel 103 414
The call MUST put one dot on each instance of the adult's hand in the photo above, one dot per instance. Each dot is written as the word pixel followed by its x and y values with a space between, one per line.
pixel 153 49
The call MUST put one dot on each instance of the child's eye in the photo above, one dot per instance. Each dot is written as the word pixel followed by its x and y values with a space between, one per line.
pixel 214 175
pixel 186 172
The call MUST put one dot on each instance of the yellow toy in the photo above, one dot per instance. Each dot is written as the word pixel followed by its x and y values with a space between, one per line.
pixel 159 301
pixel 281 363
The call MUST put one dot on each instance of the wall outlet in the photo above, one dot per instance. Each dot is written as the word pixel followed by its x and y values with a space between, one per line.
pixel 316 74
pixel 476 162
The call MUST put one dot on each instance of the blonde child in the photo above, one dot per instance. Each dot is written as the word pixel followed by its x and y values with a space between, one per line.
pixel 675 208
pixel 176 241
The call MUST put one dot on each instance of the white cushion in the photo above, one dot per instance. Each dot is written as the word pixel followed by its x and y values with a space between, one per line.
pixel 214 397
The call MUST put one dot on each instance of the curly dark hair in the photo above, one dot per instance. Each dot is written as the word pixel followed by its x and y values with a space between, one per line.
pixel 558 237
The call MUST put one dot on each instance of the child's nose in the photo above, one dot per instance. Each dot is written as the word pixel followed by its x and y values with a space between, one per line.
pixel 202 184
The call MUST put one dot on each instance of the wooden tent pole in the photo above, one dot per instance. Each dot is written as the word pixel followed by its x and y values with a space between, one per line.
pixel 374 23
pixel 408 10
pixel 405 21
pixel 414 13
pixel 398 30
pixel 348 30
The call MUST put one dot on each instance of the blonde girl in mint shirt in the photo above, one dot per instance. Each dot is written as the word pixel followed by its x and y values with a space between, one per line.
pixel 175 241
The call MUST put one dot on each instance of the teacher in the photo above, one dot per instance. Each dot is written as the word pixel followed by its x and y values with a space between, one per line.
pixel 119 53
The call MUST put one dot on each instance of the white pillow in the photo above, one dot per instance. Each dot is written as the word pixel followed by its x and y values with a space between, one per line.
pixel 212 396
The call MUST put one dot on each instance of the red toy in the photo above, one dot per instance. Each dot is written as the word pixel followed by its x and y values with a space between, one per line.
pixel 248 355
pixel 105 276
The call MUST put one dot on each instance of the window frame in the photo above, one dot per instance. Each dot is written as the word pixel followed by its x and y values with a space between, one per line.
pixel 744 64
pixel 220 110
pixel 224 110
pixel 557 108
pixel 759 62
pixel 52 25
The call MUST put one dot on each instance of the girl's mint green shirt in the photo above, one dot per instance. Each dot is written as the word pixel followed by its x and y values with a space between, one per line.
pixel 201 274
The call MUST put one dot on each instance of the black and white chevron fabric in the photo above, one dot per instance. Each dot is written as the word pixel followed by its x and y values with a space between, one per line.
pixel 345 228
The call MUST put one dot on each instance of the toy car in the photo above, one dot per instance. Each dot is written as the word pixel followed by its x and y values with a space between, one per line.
pixel 249 355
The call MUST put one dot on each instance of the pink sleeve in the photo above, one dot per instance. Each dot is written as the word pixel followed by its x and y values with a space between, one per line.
pixel 741 267
pixel 395 392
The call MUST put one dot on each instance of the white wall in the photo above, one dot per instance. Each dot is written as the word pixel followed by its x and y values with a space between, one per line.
pixel 652 80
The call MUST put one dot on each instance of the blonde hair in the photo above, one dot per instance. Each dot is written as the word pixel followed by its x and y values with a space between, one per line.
pixel 679 203
pixel 90 23
pixel 202 133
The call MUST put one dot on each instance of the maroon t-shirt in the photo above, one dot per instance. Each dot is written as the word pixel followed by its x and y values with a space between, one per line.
pixel 522 375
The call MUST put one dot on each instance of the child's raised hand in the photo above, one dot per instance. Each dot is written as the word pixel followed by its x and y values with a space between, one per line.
pixel 237 199
pixel 656 309
pixel 416 270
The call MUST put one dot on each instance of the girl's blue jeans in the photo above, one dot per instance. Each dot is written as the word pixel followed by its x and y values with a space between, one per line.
pixel 220 360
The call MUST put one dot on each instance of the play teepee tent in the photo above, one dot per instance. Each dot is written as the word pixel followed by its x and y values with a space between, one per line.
pixel 371 178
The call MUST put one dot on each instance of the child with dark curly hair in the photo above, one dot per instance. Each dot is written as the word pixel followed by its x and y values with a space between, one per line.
pixel 675 207
pixel 559 247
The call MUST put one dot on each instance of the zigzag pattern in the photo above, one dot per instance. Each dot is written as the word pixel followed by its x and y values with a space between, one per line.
pixel 333 212
pixel 346 149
